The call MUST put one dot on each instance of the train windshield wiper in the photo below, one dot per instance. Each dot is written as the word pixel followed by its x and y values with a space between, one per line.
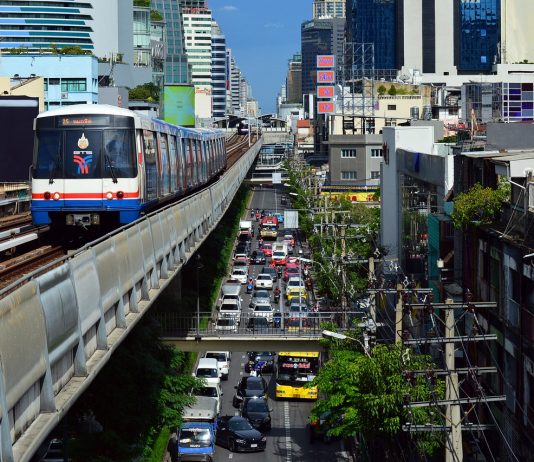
pixel 111 169
pixel 57 164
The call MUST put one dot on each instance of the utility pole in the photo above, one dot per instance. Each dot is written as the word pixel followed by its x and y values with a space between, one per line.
pixel 453 450
pixel 453 400
pixel 372 298
pixel 398 314
pixel 344 303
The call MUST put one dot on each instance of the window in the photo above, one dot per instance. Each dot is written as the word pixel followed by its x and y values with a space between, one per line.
pixel 73 84
pixel 392 107
pixel 349 175
pixel 348 153
pixel 375 175
pixel 376 152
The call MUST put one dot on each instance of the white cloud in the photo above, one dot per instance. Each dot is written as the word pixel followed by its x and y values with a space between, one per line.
pixel 229 8
pixel 273 25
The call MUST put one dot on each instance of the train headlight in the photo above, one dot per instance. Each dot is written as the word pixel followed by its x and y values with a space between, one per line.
pixel 109 196
pixel 120 195
pixel 56 196
pixel 47 195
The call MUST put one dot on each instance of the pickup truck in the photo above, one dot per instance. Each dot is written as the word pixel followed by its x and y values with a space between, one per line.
pixel 196 435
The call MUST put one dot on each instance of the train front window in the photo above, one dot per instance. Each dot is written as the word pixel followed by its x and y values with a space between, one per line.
pixel 119 152
pixel 48 162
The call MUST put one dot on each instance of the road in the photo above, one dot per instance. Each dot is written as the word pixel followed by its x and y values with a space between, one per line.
pixel 288 440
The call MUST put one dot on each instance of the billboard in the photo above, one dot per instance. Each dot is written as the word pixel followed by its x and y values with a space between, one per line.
pixel 325 61
pixel 326 77
pixel 179 105
pixel 325 107
pixel 326 91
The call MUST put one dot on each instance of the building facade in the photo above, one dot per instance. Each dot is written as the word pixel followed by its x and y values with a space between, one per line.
pixel 38 26
pixel 374 22
pixel 354 160
pixel 328 9
pixel 218 70
pixel 319 37
pixel 68 79
pixel 176 69
pixel 294 79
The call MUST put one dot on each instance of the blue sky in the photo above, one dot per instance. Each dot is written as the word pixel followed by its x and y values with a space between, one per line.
pixel 263 35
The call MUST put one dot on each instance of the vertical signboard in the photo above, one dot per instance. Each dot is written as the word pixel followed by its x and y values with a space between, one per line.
pixel 325 107
pixel 325 61
pixel 326 76
pixel 325 91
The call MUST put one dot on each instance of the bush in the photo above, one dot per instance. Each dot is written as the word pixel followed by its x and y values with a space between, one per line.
pixel 392 90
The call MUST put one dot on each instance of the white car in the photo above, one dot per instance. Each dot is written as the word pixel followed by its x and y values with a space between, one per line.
pixel 223 361
pixel 239 274
pixel 226 325
pixel 264 281
pixel 263 310
pixel 211 390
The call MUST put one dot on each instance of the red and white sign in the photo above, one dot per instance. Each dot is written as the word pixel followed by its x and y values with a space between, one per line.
pixel 325 61
pixel 326 77
pixel 325 107
pixel 326 91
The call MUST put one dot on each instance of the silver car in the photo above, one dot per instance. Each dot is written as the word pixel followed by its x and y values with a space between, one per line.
pixel 259 296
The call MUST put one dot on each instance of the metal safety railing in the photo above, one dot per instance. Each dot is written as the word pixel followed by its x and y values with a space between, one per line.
pixel 248 324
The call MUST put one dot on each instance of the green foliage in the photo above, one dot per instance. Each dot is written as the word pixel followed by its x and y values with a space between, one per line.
pixel 146 92
pixel 160 446
pixel 449 139
pixel 392 90
pixel 144 3
pixel 382 90
pixel 155 15
pixel 73 50
pixel 364 395
pixel 479 205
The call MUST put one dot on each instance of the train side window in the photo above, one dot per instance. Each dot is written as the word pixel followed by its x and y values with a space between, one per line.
pixel 164 163
pixel 173 162
pixel 150 165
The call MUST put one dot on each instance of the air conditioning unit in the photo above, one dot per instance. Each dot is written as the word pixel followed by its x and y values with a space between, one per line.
pixel 64 95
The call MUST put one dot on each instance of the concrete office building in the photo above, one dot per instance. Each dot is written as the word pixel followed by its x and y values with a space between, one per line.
pixel 328 9
pixel 319 37
pixel 177 70
pixel 218 70
pixel 37 26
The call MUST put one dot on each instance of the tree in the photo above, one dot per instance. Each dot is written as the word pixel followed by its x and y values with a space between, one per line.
pixel 382 90
pixel 392 90
pixel 147 92
pixel 364 395
pixel 479 205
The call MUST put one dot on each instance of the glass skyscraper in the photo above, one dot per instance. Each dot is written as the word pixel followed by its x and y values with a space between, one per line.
pixel 176 65
pixel 375 21
pixel 479 35
pixel 39 26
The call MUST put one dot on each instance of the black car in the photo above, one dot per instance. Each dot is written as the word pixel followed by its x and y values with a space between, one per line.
pixel 257 411
pixel 250 387
pixel 258 323
pixel 270 270
pixel 257 258
pixel 263 358
pixel 237 434
pixel 242 247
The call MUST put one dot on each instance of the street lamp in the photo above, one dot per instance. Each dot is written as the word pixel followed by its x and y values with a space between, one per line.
pixel 338 336
pixel 199 266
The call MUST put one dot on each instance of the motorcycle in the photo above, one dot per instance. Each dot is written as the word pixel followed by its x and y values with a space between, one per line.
pixel 250 286
pixel 277 295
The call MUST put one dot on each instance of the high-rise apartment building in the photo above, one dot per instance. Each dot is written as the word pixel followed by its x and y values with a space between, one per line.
pixel 369 21
pixel 328 9
pixel 235 86
pixel 176 65
pixel 319 37
pixel 294 79
pixel 37 26
pixel 218 70
pixel 197 21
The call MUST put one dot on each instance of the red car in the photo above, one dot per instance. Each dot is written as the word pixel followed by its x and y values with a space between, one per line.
pixel 267 249
pixel 292 269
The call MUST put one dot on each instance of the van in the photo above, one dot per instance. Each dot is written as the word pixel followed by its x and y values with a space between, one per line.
pixel 223 361
pixel 210 390
pixel 208 369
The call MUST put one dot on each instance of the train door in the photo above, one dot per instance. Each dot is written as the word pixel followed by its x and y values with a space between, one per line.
pixel 181 163
pixel 163 157
pixel 185 162
pixel 151 170
pixel 173 163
